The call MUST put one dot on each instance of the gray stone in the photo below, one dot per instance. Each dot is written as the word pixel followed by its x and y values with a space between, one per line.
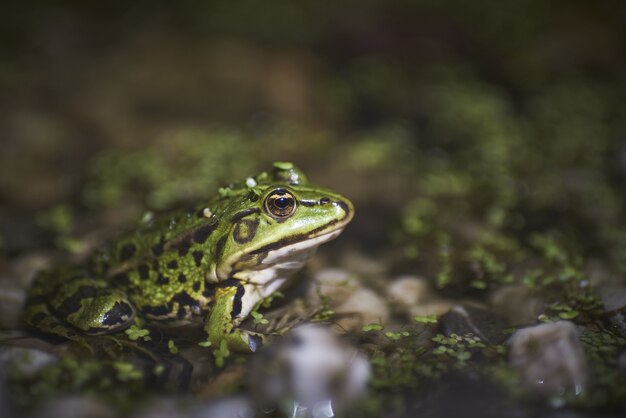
pixel 549 359
pixel 518 304
pixel 26 361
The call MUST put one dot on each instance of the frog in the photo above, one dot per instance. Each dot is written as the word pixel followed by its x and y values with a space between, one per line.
pixel 209 265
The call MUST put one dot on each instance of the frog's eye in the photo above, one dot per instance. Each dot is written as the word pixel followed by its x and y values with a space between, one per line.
pixel 280 203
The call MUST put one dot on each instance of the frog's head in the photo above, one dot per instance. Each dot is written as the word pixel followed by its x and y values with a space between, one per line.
pixel 276 226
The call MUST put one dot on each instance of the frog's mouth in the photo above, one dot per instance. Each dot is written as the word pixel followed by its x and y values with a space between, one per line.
pixel 280 258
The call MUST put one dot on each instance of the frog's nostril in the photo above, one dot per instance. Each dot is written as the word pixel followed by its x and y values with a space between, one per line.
pixel 324 200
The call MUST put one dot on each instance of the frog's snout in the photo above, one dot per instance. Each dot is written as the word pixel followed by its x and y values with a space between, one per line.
pixel 343 207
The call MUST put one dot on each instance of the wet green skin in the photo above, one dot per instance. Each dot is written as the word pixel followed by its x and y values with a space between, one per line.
pixel 212 263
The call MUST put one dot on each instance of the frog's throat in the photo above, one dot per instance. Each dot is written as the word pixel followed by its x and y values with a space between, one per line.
pixel 274 261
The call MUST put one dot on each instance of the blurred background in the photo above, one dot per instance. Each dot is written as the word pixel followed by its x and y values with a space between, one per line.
pixel 483 143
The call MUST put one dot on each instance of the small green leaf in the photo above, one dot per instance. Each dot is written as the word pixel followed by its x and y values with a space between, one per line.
pixel 134 333
pixel 172 347
pixel 258 318
pixel 568 314
pixel 221 353
pixel 282 165
pixel 426 319
pixel 372 327
pixel 478 284
pixel 205 344
pixel 396 335
pixel 126 371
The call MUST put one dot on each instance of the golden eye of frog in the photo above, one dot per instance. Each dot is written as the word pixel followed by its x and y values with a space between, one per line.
pixel 211 264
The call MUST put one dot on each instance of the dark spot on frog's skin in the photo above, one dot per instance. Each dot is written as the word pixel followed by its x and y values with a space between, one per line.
pixel 127 252
pixel 196 286
pixel 219 248
pixel 155 265
pixel 237 304
pixel 245 230
pixel 208 291
pixel 119 314
pixel 183 247
pixel 228 283
pixel 197 257
pixel 144 271
pixel 308 203
pixel 156 311
pixel 343 206
pixel 248 260
pixel 121 279
pixel 239 215
pixel 184 300
pixel 182 312
pixel 162 280
pixel 253 197
pixel 73 303
pixel 201 234
pixel 157 249
pixel 324 200
pixel 182 278
pixel 172 265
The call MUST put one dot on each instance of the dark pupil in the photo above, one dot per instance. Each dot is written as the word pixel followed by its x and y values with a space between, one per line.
pixel 282 202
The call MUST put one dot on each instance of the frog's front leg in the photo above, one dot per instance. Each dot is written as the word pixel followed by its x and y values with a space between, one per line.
pixel 225 317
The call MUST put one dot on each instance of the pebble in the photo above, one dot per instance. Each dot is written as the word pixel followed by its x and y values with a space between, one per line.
pixel 355 304
pixel 312 373
pixel 437 308
pixel 75 407
pixel 549 359
pixel 363 307
pixel 334 283
pixel 25 361
pixel 234 406
pixel 412 296
pixel 519 305
pixel 613 297
pixel 408 291
pixel 614 300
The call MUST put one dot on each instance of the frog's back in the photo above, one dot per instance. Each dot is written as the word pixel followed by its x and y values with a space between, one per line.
pixel 157 271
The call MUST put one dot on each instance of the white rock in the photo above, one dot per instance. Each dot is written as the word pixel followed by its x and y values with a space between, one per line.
pixel 235 407
pixel 437 308
pixel 408 291
pixel 549 359
pixel 27 361
pixel 358 305
pixel 334 283
pixel 310 374
pixel 362 307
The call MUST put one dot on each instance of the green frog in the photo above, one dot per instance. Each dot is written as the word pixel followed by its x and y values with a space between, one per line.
pixel 211 264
